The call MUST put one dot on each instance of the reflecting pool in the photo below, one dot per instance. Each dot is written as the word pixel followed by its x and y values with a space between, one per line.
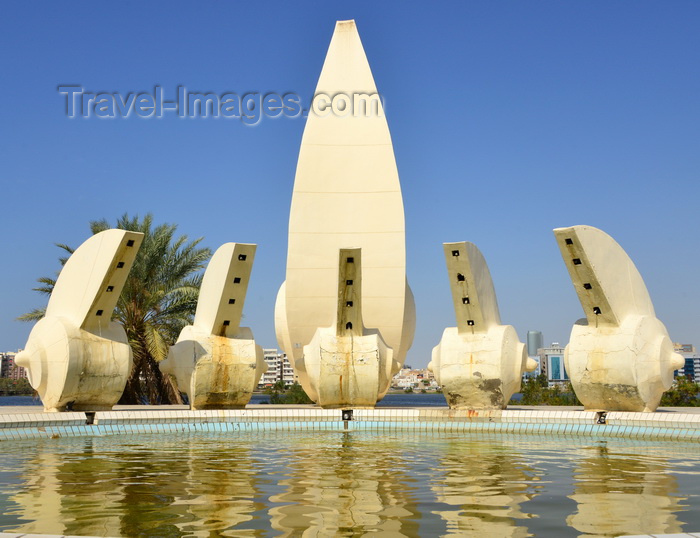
pixel 335 483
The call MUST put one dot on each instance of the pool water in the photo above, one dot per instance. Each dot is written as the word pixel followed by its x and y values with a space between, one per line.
pixel 335 483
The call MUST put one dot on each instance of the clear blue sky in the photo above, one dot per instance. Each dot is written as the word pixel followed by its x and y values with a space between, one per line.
pixel 508 119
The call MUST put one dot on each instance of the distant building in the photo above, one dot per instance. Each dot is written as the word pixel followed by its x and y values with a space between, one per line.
pixel 534 343
pixel 691 369
pixel 8 368
pixel 278 369
pixel 684 348
pixel 552 363
pixel 414 379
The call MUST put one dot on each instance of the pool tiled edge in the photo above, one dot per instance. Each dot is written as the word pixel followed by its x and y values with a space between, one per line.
pixel 672 426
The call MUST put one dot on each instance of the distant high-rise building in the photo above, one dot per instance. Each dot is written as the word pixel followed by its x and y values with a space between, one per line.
pixel 8 368
pixel 691 370
pixel 534 343
pixel 552 363
pixel 278 368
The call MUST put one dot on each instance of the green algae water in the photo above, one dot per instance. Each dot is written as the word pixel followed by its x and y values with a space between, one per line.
pixel 335 483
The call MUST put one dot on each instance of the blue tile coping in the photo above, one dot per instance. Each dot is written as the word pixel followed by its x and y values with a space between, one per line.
pixel 677 425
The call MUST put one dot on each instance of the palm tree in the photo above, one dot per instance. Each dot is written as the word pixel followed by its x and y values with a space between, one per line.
pixel 158 300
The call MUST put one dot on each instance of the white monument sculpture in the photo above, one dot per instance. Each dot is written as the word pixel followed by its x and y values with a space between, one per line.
pixel 619 357
pixel 76 356
pixel 479 362
pixel 346 195
pixel 347 364
pixel 215 361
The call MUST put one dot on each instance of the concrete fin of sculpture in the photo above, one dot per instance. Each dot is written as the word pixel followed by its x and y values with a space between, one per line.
pixel 346 193
pixel 620 357
pixel 215 360
pixel 480 362
pixel 606 280
pixel 473 294
pixel 75 355
pixel 347 365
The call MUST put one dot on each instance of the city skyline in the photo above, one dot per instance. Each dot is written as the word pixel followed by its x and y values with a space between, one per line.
pixel 507 121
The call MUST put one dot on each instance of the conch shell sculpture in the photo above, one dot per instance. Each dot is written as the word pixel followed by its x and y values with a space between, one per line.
pixel 479 362
pixel 215 361
pixel 346 364
pixel 76 357
pixel 619 357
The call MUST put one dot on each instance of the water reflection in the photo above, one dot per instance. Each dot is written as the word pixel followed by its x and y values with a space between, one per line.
pixel 346 484
pixel 488 482
pixel 198 489
pixel 222 491
pixel 347 488
pixel 622 492
pixel 62 495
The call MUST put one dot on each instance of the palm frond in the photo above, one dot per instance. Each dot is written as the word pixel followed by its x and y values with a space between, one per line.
pixel 34 315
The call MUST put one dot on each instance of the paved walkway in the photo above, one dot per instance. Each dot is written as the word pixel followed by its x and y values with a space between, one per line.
pixel 10 409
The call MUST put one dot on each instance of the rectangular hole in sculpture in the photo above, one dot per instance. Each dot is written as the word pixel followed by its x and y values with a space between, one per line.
pixel 577 261
pixel 242 257
pixel 99 312
pixel 460 277
pixel 120 265
pixel 569 241
pixel 596 310
pixel 232 301
pixel 465 300
pixel 237 280
pixel 455 252
pixel 351 260
pixel 348 303
pixel 470 322
pixel 130 243
pixel 227 323
pixel 587 286
pixel 348 282
pixel 110 288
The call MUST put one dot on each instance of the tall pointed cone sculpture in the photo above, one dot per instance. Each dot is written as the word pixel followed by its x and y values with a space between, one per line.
pixel 346 195
pixel 215 360
pixel 479 362
pixel 76 356
pixel 619 358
